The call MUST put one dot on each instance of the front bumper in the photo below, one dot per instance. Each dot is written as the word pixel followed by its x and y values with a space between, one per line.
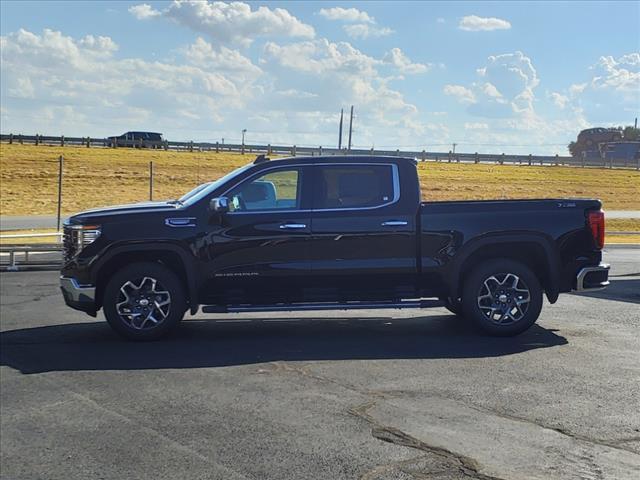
pixel 590 279
pixel 80 297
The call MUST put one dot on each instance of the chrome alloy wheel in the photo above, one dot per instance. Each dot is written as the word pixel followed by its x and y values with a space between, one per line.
pixel 143 303
pixel 504 298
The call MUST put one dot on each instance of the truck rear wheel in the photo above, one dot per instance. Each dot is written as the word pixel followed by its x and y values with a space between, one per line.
pixel 143 301
pixel 502 297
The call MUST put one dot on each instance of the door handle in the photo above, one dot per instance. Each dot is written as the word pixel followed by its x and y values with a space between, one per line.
pixel 395 223
pixel 292 226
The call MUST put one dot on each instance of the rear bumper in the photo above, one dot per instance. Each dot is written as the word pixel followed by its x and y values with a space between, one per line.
pixel 77 296
pixel 592 278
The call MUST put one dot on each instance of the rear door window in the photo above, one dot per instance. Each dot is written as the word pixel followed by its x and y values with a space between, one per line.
pixel 353 186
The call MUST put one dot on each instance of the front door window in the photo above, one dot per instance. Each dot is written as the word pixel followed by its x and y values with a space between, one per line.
pixel 279 190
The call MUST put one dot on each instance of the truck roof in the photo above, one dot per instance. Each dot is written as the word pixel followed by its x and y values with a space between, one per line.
pixel 337 159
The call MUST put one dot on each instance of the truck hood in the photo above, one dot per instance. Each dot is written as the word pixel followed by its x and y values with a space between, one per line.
pixel 117 210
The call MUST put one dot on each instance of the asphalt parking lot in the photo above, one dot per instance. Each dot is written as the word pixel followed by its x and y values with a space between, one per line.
pixel 375 395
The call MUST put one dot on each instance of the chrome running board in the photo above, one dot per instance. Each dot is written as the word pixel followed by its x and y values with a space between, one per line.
pixel 303 307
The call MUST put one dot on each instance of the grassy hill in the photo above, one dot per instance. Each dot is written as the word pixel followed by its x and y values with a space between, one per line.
pixel 96 177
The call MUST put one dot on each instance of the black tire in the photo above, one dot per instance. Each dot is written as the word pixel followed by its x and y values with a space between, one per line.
pixel 148 282
pixel 481 306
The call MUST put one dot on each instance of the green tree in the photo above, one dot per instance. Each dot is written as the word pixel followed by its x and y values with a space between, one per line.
pixel 575 149
pixel 631 134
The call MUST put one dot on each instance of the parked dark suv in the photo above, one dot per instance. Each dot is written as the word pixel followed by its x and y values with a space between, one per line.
pixel 591 137
pixel 136 139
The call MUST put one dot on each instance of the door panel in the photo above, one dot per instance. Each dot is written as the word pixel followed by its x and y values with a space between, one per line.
pixel 260 250
pixel 361 252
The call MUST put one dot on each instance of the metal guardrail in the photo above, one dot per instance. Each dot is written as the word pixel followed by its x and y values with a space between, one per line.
pixel 31 235
pixel 22 257
pixel 294 150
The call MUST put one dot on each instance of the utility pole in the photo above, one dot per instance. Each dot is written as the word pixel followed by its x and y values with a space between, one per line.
pixel 340 131
pixel 244 130
pixel 350 127
pixel 635 124
pixel 454 147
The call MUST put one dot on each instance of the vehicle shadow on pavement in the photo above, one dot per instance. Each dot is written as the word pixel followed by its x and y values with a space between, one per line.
pixel 201 343
pixel 621 289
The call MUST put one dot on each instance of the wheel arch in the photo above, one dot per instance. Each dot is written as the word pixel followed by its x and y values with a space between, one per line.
pixel 173 256
pixel 535 251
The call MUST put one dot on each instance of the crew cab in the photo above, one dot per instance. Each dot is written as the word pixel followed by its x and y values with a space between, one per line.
pixel 321 233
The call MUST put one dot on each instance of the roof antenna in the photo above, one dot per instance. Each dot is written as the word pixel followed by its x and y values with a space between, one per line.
pixel 261 158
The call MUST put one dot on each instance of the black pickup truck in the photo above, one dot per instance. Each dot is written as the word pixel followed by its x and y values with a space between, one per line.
pixel 320 233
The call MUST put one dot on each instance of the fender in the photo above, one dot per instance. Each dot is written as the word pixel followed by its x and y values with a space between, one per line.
pixel 188 262
pixel 547 244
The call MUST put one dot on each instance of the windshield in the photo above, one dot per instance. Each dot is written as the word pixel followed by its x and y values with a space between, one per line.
pixel 191 193
pixel 201 191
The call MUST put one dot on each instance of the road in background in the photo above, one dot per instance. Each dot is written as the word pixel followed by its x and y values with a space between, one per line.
pixel 622 214
pixel 26 222
pixel 370 394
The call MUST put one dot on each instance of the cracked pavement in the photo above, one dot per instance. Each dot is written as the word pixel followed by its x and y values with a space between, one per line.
pixel 373 395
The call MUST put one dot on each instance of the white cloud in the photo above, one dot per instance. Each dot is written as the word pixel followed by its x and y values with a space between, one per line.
pixel 398 59
pixel 612 94
pixel 233 22
pixel 363 25
pixel 143 11
pixel 203 54
pixel 364 30
pixel 76 84
pixel 577 89
pixel 462 94
pixel 509 82
pixel 476 126
pixel 558 99
pixel 22 88
pixel 338 74
pixel 505 94
pixel 621 74
pixel 473 23
pixel 101 45
pixel 298 94
pixel 346 15
pixel 321 56
pixel 490 90
pixel 440 20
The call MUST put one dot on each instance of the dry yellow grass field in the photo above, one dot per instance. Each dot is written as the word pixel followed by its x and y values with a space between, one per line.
pixel 97 177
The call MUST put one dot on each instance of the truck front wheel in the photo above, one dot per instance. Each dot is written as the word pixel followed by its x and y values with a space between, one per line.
pixel 502 297
pixel 143 301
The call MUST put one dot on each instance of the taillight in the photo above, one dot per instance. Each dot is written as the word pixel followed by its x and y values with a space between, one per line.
pixel 596 225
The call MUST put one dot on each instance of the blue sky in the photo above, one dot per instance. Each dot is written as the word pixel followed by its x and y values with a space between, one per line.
pixel 514 77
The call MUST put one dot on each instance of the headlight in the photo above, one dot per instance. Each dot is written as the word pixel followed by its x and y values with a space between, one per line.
pixel 85 234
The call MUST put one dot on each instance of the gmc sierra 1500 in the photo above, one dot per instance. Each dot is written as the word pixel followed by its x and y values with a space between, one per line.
pixel 321 233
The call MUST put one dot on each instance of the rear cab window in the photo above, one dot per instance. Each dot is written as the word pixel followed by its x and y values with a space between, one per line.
pixel 354 186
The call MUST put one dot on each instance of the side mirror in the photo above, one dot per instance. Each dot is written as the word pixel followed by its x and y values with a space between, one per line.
pixel 219 205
